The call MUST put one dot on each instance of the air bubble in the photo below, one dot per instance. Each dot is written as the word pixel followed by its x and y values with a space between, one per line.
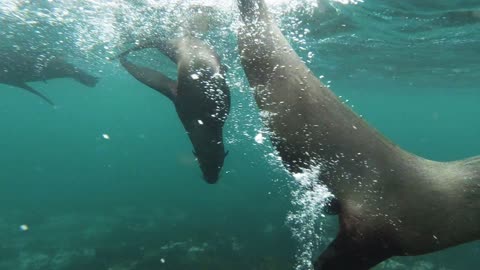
pixel 259 138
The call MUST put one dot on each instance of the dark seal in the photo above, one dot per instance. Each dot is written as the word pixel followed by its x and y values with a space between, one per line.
pixel 201 95
pixel 17 68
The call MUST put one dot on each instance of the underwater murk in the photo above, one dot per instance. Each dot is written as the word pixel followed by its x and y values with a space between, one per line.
pixel 104 178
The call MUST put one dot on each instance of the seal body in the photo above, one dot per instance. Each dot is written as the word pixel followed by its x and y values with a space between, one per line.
pixel 390 202
pixel 17 68
pixel 200 94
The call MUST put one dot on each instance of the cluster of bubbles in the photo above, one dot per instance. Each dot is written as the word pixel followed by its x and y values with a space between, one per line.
pixel 103 26
pixel 309 197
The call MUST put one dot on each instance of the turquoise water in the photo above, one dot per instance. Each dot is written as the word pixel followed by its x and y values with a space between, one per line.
pixel 135 200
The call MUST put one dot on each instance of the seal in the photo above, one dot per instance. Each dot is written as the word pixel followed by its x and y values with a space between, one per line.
pixel 389 202
pixel 201 95
pixel 17 68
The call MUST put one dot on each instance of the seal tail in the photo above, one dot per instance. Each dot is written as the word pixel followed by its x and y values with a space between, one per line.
pixel 61 68
pixel 85 78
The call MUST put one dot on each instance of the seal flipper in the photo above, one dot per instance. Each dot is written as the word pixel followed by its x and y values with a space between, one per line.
pixel 349 253
pixel 165 47
pixel 154 79
pixel 35 92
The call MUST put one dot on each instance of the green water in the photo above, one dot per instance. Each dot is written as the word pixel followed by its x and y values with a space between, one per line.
pixel 137 201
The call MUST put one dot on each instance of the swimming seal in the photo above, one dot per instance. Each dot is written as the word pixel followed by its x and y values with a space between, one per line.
pixel 17 68
pixel 390 202
pixel 201 95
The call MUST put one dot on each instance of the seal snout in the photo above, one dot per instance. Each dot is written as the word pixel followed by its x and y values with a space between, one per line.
pixel 211 163
pixel 211 178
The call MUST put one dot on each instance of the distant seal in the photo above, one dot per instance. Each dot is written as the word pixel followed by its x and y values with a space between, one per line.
pixel 17 68
pixel 390 202
pixel 201 95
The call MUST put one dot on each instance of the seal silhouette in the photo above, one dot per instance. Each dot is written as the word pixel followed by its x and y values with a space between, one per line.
pixel 18 67
pixel 390 202
pixel 201 95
